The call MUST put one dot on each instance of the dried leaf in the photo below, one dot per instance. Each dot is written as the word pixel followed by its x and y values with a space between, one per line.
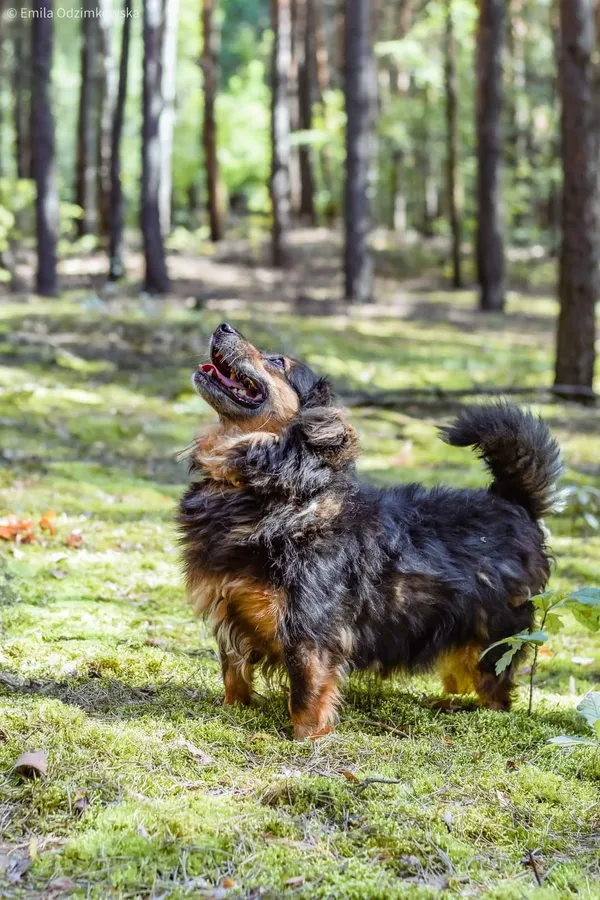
pixel 228 882
pixel 61 885
pixel 81 802
pixel 349 776
pixel 296 881
pixel 198 754
pixel 74 539
pixel 31 763
pixel 12 528
pixel 47 522
pixel 59 574
pixel 503 799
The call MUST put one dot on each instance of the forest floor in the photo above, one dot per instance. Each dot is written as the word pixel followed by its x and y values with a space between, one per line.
pixel 155 789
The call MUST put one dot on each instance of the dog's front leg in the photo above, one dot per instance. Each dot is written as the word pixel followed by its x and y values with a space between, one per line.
pixel 314 691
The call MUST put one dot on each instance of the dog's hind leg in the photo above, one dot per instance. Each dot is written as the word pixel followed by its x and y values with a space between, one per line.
pixel 237 678
pixel 314 692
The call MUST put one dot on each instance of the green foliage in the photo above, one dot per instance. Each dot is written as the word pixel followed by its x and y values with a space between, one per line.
pixel 589 710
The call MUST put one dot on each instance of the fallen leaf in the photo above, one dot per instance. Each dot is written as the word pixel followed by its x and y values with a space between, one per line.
pixel 61 885
pixel 12 528
pixel 47 522
pixel 74 539
pixel 545 651
pixel 198 754
pixel 17 868
pixel 296 881
pixel 58 573
pixel 448 820
pixel 349 776
pixel 228 882
pixel 503 799
pixel 32 763
pixel 81 802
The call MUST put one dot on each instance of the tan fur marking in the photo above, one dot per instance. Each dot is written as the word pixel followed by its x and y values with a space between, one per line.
pixel 318 714
pixel 216 449
pixel 458 669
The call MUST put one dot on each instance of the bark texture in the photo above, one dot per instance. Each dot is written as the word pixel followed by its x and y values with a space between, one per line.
pixel 280 131
pixel 357 87
pixel 452 186
pixel 578 266
pixel 42 126
pixel 156 280
pixel 490 245
pixel 88 127
pixel 116 215
pixel 210 70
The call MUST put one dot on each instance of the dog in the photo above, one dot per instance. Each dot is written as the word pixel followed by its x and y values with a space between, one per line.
pixel 300 565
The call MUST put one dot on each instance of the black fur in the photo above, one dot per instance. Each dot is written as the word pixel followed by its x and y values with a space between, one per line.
pixel 388 579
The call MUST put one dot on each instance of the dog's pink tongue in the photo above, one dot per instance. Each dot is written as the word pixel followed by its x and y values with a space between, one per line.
pixel 212 370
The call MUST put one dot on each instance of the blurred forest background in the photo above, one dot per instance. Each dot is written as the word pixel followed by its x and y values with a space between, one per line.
pixel 459 135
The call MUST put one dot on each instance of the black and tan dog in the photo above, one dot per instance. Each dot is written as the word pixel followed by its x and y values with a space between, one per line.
pixel 299 564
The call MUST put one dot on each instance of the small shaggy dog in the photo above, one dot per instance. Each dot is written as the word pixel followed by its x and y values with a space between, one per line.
pixel 297 563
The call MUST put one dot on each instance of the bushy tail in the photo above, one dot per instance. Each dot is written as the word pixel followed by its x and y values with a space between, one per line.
pixel 519 451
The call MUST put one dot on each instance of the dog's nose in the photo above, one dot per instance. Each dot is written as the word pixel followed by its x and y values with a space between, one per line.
pixel 226 328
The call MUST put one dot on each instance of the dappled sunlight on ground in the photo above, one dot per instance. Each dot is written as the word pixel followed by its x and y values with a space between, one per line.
pixel 103 666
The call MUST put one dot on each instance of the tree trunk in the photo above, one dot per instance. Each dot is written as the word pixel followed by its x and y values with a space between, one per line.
pixel 210 70
pixel 116 217
pixel 86 187
pixel 280 131
pixel 452 186
pixel 490 249
pixel 305 98
pixel 156 279
pixel 166 124
pixel 22 101
pixel 42 129
pixel 578 266
pixel 357 87
pixel 108 89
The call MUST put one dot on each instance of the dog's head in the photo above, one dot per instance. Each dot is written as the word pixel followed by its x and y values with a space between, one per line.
pixel 255 391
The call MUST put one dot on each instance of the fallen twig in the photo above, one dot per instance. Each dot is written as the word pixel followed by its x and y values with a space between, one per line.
pixel 385 727
pixel 402 396
pixel 375 780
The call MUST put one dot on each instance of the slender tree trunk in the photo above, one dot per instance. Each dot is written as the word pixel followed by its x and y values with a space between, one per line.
pixel 210 69
pixel 42 128
pixel 108 90
pixel 166 123
pixel 156 279
pixel 490 248
pixel 452 187
pixel 578 266
pixel 86 187
pixel 323 85
pixel 116 218
pixel 280 131
pixel 22 99
pixel 305 98
pixel 358 74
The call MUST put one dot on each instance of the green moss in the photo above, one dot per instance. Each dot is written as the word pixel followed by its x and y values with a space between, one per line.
pixel 106 670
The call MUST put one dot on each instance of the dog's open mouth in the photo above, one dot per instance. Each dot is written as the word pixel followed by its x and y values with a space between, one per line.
pixel 238 386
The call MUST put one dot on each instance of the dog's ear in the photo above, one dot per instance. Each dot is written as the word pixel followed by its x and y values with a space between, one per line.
pixel 326 432
pixel 321 394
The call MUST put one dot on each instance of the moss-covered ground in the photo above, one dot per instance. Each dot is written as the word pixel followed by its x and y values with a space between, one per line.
pixel 153 788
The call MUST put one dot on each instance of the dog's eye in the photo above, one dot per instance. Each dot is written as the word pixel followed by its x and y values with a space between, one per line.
pixel 277 361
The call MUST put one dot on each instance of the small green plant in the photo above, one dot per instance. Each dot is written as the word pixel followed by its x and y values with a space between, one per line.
pixel 588 709
pixel 550 606
pixel 583 503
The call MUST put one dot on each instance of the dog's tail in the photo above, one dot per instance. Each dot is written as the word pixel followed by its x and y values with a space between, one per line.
pixel 517 448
